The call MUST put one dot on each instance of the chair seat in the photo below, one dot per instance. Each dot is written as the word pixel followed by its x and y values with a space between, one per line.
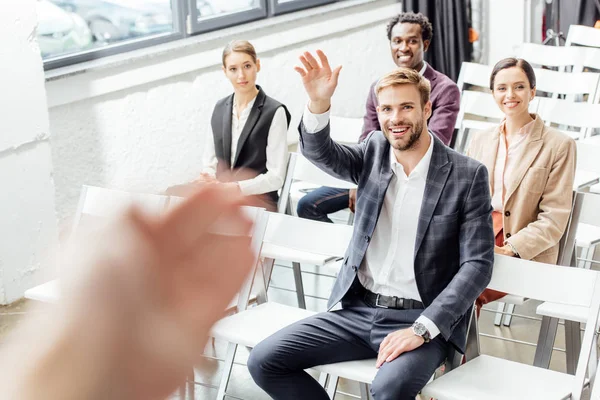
pixel 568 312
pixel 250 327
pixel 48 292
pixel 360 371
pixel 282 253
pixel 584 179
pixel 492 378
pixel 587 235
pixel 512 299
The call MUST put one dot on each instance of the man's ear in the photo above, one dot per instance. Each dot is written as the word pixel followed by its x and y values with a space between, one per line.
pixel 427 110
pixel 426 44
pixel 377 109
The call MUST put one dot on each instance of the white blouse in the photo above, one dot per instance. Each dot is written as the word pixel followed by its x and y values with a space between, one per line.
pixel 277 152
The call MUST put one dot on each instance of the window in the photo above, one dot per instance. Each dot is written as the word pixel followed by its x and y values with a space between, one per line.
pixel 72 31
pixel 283 6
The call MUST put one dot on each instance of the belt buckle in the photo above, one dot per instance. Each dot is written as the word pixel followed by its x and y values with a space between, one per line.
pixel 377 302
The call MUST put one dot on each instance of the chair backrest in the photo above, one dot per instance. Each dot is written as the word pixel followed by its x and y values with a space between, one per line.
pixel 345 129
pixel 557 284
pixel 96 204
pixel 587 156
pixel 569 84
pixel 590 58
pixel 307 235
pixel 222 226
pixel 581 35
pixel 584 117
pixel 300 169
pixel 560 57
pixel 475 75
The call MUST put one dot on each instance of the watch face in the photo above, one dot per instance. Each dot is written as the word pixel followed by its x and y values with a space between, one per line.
pixel 419 329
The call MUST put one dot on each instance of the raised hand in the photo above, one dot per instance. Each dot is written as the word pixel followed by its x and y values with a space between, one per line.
pixel 319 80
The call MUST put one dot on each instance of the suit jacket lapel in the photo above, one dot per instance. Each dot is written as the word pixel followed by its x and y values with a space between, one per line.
pixel 252 120
pixel 533 145
pixel 385 176
pixel 227 130
pixel 439 169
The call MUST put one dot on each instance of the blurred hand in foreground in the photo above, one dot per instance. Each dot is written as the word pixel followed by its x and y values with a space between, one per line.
pixel 135 318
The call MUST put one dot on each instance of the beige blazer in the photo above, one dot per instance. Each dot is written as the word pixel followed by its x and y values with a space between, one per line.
pixel 539 194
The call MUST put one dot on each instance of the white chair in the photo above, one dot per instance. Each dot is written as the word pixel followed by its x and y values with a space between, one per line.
pixel 302 175
pixel 580 35
pixel 491 378
pixel 96 204
pixel 569 84
pixel 298 236
pixel 582 116
pixel 346 130
pixel 583 232
pixel 561 57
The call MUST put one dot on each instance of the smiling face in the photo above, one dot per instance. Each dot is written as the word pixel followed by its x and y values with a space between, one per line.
pixel 512 91
pixel 401 116
pixel 241 70
pixel 407 45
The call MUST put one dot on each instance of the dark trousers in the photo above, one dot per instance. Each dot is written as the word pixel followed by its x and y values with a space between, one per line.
pixel 325 200
pixel 277 364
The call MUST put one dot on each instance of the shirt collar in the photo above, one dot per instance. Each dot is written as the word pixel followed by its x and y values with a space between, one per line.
pixel 525 129
pixel 422 71
pixel 422 167
pixel 248 107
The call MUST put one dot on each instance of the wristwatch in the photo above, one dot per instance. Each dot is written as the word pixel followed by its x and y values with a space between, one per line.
pixel 421 330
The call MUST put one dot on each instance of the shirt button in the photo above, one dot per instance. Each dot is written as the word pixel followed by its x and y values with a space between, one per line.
pixel 508 235
pixel 367 239
pixel 355 268
pixel 507 213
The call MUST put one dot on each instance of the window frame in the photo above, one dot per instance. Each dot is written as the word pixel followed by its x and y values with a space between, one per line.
pixel 295 5
pixel 223 21
pixel 185 24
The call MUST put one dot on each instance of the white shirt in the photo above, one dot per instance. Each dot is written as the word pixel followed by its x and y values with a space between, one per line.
pixel 388 266
pixel 277 152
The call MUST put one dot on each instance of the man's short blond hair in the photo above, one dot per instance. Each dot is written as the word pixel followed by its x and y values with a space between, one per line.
pixel 403 76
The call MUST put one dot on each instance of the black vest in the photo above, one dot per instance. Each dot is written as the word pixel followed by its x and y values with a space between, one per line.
pixel 251 153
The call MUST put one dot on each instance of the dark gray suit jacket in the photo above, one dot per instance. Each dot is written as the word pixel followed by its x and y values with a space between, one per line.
pixel 454 250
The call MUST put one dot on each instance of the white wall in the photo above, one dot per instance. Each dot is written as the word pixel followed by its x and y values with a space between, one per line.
pixel 152 136
pixel 27 220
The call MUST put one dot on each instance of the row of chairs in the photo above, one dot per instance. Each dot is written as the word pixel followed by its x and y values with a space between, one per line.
pixel 308 237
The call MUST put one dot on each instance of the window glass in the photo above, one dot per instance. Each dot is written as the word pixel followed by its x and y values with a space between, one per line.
pixel 69 26
pixel 215 8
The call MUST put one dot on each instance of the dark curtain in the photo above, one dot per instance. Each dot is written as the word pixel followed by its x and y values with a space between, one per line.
pixel 578 12
pixel 450 45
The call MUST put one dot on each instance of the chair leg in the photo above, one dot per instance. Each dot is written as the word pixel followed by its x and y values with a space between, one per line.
pixel 593 363
pixel 229 358
pixel 332 384
pixel 299 285
pixel 510 309
pixel 191 386
pixel 499 315
pixel 545 343
pixel 573 345
pixel 364 391
pixel 587 253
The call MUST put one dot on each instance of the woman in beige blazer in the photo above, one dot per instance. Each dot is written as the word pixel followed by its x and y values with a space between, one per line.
pixel 531 168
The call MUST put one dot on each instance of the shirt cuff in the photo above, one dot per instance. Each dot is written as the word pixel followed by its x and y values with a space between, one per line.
pixel 431 327
pixel 513 248
pixel 314 122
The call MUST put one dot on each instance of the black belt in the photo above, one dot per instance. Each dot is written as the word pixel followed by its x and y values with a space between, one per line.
pixel 378 300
